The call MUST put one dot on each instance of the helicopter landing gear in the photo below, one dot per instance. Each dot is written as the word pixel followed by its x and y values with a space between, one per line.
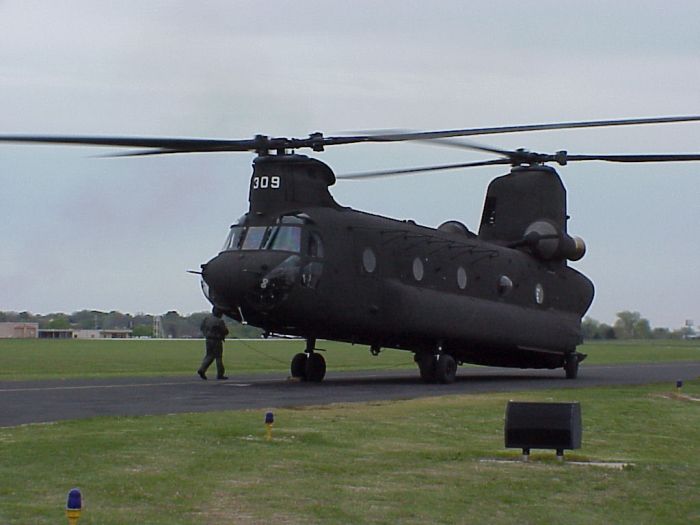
pixel 298 366
pixel 571 365
pixel 426 365
pixel 315 368
pixel 445 369
pixel 309 366
pixel 436 368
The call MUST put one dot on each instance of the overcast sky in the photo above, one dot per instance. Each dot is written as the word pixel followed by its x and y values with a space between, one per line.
pixel 79 231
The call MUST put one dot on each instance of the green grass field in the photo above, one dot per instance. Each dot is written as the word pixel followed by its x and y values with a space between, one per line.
pixel 418 461
pixel 41 359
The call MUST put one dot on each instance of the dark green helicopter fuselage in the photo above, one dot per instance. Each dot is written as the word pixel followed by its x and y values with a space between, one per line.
pixel 300 264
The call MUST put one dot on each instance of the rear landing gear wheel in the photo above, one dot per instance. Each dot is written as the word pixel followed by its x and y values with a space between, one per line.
pixel 445 369
pixel 571 366
pixel 426 365
pixel 315 368
pixel 298 366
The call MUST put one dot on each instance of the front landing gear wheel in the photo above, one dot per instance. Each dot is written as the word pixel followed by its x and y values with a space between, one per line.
pixel 571 366
pixel 298 366
pixel 445 369
pixel 315 368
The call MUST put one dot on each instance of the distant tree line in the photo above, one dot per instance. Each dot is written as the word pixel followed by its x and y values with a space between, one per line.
pixel 630 325
pixel 173 324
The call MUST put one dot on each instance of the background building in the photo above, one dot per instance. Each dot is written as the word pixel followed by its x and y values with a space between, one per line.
pixel 76 333
pixel 19 330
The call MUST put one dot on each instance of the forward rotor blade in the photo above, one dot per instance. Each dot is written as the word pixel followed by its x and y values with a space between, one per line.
pixel 154 152
pixel 407 171
pixel 651 157
pixel 316 141
pixel 182 145
pixel 428 135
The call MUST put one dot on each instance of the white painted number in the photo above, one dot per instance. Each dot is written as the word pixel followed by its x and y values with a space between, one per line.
pixel 265 182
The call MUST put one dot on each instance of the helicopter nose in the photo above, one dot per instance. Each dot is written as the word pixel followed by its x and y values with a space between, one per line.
pixel 228 276
pixel 235 279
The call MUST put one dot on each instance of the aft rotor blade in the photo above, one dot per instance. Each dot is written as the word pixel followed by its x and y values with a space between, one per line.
pixel 463 144
pixel 651 157
pixel 407 171
pixel 428 135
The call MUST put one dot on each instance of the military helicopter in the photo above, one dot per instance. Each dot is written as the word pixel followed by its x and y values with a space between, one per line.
pixel 298 263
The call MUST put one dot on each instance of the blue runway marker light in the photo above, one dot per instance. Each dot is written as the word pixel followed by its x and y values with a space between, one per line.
pixel 73 506
pixel 269 420
pixel 679 385
pixel 75 500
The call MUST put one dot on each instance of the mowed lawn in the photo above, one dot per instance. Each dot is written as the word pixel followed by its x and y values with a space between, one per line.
pixel 413 462
pixel 418 461
pixel 40 359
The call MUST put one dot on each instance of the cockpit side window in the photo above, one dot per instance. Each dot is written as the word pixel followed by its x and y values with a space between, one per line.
pixel 314 245
pixel 233 241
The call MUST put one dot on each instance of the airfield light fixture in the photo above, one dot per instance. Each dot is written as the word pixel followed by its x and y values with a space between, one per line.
pixel 269 421
pixel 73 506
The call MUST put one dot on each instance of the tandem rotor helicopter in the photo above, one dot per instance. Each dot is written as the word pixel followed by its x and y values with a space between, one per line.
pixel 298 263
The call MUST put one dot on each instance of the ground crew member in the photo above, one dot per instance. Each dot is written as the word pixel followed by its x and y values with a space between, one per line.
pixel 214 329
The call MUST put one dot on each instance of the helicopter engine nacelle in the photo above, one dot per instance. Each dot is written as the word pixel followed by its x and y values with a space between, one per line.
pixel 455 227
pixel 548 242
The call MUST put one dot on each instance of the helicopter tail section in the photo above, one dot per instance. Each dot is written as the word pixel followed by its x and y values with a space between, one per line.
pixel 527 209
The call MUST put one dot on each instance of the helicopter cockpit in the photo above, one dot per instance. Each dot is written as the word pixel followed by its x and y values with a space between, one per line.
pixel 287 234
pixel 284 235
pixel 260 264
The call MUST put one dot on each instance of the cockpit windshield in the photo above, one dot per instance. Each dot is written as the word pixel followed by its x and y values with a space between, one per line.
pixel 277 237
pixel 285 235
pixel 283 238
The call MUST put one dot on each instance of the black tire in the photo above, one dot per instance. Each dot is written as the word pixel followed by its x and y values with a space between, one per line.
pixel 571 366
pixel 315 368
pixel 298 366
pixel 445 369
pixel 426 365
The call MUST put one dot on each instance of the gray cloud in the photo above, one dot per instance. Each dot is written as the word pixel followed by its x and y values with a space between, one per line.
pixel 81 232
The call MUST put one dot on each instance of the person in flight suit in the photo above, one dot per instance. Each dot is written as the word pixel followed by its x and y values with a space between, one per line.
pixel 214 329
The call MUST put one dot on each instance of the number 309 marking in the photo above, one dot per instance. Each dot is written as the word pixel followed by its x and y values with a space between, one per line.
pixel 265 182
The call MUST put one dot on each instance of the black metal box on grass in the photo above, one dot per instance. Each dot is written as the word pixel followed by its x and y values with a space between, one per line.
pixel 543 425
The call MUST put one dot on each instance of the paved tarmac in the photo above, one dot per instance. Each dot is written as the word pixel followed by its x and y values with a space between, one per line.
pixel 24 402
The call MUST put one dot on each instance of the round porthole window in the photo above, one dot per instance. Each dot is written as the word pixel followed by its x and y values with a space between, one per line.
pixel 418 270
pixel 369 260
pixel 539 294
pixel 461 278
pixel 505 285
